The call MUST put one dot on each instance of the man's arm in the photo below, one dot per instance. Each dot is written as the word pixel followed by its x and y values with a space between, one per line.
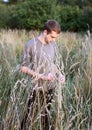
pixel 30 72
pixel 58 73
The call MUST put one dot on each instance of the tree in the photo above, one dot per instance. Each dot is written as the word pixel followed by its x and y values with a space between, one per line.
pixel 32 14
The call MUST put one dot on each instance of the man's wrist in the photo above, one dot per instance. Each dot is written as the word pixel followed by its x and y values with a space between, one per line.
pixel 31 72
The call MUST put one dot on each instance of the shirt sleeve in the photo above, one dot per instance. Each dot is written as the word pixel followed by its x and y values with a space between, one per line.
pixel 27 55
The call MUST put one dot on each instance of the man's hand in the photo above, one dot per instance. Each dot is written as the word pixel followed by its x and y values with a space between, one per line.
pixel 62 79
pixel 49 77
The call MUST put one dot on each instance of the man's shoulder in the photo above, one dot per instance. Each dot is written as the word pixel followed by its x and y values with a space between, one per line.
pixel 31 42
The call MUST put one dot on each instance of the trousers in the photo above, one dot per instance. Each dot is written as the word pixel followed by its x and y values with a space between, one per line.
pixel 37 116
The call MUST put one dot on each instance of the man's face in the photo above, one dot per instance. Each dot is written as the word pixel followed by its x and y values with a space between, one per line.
pixel 50 37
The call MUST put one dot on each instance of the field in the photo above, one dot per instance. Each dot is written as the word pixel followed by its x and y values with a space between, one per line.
pixel 72 106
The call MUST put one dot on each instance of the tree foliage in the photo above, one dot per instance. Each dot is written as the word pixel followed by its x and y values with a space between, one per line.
pixel 32 14
pixel 73 15
pixel 80 3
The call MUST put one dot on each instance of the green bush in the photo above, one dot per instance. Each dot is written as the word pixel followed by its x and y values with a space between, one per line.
pixel 69 17
pixel 5 11
pixel 32 14
pixel 75 19
pixel 86 19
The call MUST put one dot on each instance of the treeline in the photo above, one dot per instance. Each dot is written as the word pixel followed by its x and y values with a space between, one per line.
pixel 31 14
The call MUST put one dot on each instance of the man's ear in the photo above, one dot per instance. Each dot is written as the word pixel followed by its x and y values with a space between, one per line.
pixel 45 32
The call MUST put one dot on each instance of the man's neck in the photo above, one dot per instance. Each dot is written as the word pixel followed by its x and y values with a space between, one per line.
pixel 41 37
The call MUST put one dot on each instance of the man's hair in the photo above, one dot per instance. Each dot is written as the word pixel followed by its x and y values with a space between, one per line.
pixel 52 25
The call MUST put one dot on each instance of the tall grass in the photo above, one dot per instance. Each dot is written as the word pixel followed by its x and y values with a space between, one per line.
pixel 72 104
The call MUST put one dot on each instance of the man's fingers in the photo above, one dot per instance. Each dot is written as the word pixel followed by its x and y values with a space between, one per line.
pixel 62 78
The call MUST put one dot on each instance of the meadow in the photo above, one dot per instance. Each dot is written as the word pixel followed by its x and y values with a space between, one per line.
pixel 72 105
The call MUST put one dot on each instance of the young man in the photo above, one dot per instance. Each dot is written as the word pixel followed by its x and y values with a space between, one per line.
pixel 38 62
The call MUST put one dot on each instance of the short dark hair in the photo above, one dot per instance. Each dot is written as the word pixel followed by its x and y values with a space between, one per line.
pixel 52 25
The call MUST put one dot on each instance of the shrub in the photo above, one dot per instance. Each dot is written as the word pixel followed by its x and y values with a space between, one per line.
pixel 32 14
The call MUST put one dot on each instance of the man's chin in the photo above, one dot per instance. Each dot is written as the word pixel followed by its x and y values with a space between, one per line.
pixel 47 42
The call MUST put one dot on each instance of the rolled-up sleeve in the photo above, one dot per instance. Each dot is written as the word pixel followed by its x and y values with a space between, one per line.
pixel 27 56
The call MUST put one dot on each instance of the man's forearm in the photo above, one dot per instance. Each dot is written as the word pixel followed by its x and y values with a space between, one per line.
pixel 28 71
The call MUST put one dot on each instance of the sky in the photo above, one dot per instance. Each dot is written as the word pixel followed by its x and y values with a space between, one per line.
pixel 5 0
